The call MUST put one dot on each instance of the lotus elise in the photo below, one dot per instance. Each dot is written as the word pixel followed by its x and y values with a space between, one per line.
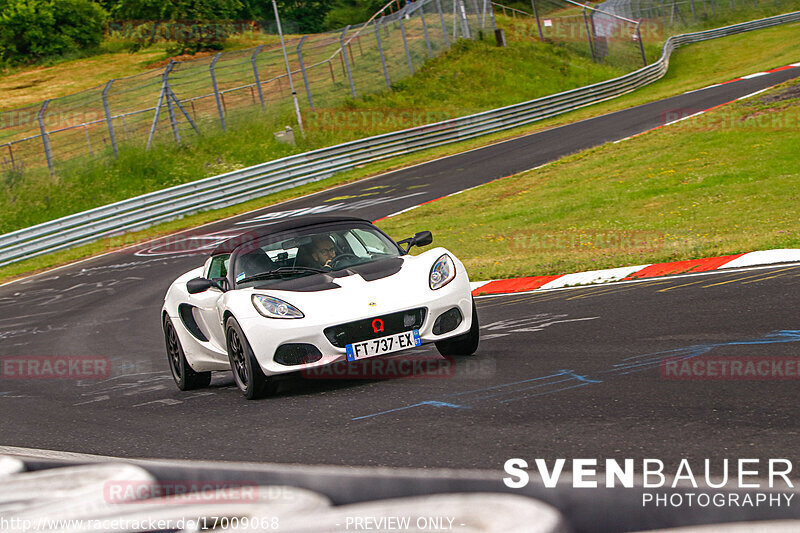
pixel 312 291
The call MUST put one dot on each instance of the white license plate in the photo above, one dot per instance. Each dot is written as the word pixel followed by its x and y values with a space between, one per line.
pixel 382 345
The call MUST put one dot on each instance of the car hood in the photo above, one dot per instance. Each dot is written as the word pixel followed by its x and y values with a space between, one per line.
pixel 330 280
pixel 373 291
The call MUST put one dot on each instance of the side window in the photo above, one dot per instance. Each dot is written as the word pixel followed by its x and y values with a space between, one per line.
pixel 355 245
pixel 218 267
pixel 371 241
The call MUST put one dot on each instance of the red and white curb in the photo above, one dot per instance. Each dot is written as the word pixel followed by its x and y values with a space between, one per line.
pixel 592 277
pixel 698 113
pixel 755 75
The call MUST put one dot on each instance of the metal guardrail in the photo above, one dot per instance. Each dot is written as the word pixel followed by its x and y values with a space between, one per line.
pixel 242 185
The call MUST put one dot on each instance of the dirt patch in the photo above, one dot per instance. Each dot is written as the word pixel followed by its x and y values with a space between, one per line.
pixel 183 57
pixel 786 94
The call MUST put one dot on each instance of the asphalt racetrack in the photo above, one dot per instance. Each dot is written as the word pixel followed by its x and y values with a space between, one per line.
pixel 568 373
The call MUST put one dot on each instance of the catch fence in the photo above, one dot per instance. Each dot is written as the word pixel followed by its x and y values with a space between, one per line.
pixel 186 98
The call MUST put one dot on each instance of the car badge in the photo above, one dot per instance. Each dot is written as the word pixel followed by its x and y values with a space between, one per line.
pixel 372 304
pixel 377 325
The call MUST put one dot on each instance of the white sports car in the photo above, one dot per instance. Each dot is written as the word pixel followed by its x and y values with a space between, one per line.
pixel 312 291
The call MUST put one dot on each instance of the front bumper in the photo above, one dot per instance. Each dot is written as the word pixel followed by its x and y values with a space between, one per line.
pixel 267 335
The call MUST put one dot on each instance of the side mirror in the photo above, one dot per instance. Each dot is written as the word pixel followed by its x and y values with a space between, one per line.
pixel 222 283
pixel 198 285
pixel 423 238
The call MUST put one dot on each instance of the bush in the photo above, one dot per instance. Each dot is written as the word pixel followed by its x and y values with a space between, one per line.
pixel 193 25
pixel 33 29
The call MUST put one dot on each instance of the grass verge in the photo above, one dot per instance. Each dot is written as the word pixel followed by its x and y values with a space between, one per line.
pixel 689 69
pixel 721 183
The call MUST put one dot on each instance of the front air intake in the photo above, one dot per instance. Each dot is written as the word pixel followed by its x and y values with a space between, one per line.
pixel 297 354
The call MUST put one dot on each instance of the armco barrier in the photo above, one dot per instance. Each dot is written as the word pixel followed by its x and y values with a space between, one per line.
pixel 242 185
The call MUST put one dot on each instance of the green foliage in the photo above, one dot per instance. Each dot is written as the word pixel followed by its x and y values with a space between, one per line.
pixel 346 12
pixel 304 16
pixel 193 25
pixel 178 9
pixel 33 29
pixel 297 16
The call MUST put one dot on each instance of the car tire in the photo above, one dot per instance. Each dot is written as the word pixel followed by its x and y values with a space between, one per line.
pixel 186 378
pixel 247 372
pixel 466 344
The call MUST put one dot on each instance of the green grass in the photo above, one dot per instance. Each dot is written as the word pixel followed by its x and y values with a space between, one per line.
pixel 526 71
pixel 65 75
pixel 729 57
pixel 486 77
pixel 721 183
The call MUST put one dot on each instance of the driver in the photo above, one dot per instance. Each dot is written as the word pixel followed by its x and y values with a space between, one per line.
pixel 322 251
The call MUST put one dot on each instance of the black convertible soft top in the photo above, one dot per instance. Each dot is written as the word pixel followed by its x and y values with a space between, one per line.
pixel 289 224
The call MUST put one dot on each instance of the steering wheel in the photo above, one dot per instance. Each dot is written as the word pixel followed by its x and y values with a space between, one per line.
pixel 335 261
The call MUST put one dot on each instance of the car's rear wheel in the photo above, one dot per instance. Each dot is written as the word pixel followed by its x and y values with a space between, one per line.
pixel 465 344
pixel 186 378
pixel 246 371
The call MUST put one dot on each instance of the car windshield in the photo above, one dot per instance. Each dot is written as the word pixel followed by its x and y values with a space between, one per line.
pixel 310 251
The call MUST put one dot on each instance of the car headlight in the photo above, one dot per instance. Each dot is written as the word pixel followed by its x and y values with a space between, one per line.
pixel 275 308
pixel 442 272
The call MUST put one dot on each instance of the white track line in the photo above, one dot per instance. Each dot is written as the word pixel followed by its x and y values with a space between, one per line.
pixel 756 75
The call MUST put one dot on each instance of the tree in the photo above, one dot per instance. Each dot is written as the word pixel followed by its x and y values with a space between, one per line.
pixel 32 29
pixel 346 12
pixel 193 24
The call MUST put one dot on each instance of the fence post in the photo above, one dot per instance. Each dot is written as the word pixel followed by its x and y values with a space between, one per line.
pixel 170 110
pixel 476 10
pixel 538 22
pixel 641 45
pixel 109 123
pixel 256 76
pixel 425 29
pixel 88 140
pixel 405 43
pixel 11 155
pixel 444 26
pixel 464 23
pixel 216 91
pixel 588 34
pixel 380 51
pixel 491 15
pixel 455 20
pixel 171 95
pixel 303 71
pixel 347 61
pixel 694 10
pixel 45 138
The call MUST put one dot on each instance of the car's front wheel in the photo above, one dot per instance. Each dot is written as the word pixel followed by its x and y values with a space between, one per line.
pixel 186 378
pixel 246 371
pixel 465 344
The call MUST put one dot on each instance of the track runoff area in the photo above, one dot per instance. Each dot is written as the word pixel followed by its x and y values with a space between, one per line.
pixel 590 372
